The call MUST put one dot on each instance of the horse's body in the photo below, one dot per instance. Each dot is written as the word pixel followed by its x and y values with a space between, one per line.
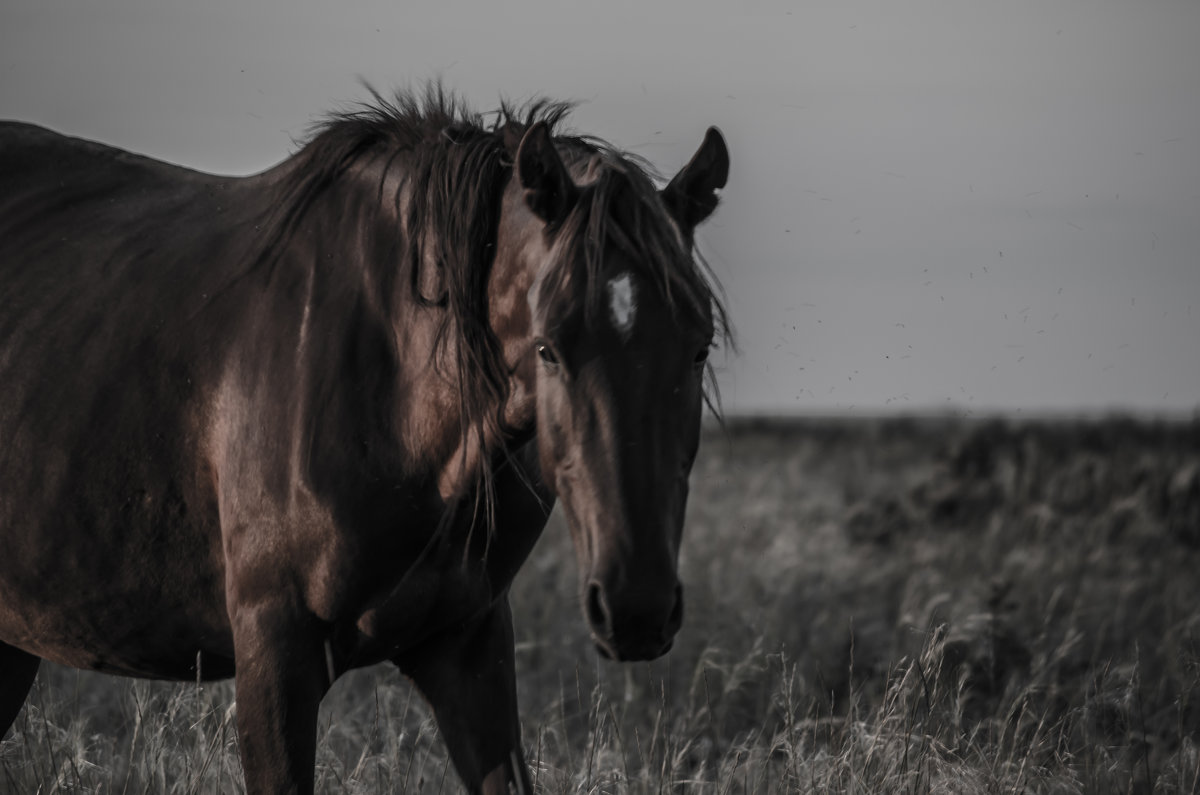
pixel 282 426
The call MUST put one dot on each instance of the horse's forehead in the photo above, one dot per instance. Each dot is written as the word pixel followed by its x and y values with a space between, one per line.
pixel 632 306
pixel 622 297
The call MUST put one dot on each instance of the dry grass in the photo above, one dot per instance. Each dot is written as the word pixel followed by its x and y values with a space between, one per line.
pixel 873 606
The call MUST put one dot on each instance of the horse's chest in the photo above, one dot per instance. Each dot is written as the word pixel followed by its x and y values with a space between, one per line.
pixel 428 583
pixel 426 600
pixel 438 592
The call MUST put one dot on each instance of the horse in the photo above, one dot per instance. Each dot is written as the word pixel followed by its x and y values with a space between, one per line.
pixel 281 426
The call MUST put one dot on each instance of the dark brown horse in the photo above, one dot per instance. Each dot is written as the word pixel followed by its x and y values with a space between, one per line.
pixel 282 426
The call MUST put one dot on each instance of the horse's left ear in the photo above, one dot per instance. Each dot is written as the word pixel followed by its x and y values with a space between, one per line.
pixel 692 195
pixel 549 191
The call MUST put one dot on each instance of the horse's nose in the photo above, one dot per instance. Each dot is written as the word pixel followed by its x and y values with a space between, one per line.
pixel 675 619
pixel 598 614
pixel 633 623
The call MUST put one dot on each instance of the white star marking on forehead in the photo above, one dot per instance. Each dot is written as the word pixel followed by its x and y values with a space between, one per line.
pixel 622 303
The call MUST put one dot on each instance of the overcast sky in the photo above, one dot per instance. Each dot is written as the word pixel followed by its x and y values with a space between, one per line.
pixel 978 205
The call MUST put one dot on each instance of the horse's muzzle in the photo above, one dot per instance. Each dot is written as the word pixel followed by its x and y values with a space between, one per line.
pixel 633 624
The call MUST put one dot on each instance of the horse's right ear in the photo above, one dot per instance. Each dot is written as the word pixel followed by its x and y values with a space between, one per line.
pixel 693 194
pixel 549 190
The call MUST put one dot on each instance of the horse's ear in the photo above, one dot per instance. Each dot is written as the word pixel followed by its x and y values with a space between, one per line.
pixel 692 195
pixel 549 191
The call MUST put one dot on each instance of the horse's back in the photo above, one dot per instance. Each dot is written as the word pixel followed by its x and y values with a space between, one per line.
pixel 59 193
pixel 97 264
pixel 107 515
pixel 29 149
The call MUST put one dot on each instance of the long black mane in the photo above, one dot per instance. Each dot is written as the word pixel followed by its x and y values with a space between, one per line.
pixel 456 168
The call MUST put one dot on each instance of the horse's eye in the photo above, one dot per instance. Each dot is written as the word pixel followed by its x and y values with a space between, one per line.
pixel 701 357
pixel 546 353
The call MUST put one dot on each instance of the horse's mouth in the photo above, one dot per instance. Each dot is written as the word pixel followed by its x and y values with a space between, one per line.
pixel 633 654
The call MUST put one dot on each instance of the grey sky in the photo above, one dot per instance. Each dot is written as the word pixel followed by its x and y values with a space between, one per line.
pixel 980 205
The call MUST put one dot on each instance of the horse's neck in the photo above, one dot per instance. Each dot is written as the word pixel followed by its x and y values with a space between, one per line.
pixel 511 276
pixel 423 422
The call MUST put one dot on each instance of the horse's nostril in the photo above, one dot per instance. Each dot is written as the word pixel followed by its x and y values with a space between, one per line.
pixel 675 620
pixel 597 610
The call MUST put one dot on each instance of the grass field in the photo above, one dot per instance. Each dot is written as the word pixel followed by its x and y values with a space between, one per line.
pixel 907 605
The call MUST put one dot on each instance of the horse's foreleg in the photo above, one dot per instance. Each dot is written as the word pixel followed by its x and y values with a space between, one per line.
pixel 469 681
pixel 17 672
pixel 281 677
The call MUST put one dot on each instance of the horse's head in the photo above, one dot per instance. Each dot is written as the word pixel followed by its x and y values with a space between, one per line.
pixel 621 320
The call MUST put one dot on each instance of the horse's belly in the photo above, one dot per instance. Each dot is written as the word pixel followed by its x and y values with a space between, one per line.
pixel 149 663
pixel 154 640
pixel 131 599
pixel 152 636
